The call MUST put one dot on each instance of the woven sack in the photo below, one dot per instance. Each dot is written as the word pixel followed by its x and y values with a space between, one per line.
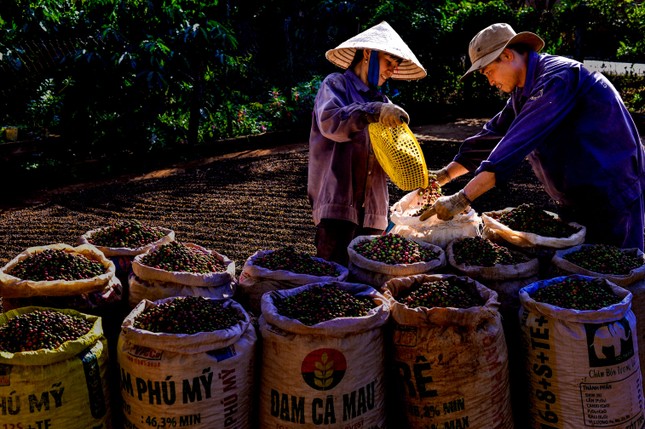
pixel 494 229
pixel 122 256
pixel 583 365
pixel 432 230
pixel 255 280
pixel 624 280
pixel 66 387
pixel 328 375
pixel 449 365
pixel 202 380
pixel 395 269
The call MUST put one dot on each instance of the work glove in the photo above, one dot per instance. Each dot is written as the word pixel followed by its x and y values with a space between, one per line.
pixel 447 207
pixel 392 115
pixel 442 176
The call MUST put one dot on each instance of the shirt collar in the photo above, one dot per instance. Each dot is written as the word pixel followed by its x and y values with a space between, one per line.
pixel 530 73
pixel 360 85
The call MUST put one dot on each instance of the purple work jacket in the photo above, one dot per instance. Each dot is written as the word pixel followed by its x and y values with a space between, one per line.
pixel 576 132
pixel 343 174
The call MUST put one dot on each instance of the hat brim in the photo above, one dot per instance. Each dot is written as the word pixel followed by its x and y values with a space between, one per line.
pixel 525 37
pixel 407 70
pixel 381 37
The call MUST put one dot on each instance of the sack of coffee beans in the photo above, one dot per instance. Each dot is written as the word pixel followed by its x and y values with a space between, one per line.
pixel 187 362
pixel 122 240
pixel 578 334
pixel 282 268
pixel 60 275
pixel 622 267
pixel 180 269
pixel 375 259
pixel 53 370
pixel 405 213
pixel 323 357
pixel 530 226
pixel 449 358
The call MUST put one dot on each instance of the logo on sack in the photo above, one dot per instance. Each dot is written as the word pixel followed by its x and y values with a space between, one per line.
pixel 609 343
pixel 323 369
pixel 5 375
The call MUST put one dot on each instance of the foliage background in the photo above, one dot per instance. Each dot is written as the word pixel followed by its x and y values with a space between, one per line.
pixel 136 78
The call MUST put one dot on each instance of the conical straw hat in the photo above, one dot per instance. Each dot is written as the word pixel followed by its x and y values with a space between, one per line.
pixel 381 37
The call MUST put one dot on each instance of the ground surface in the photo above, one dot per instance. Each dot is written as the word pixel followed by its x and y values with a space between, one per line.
pixel 235 203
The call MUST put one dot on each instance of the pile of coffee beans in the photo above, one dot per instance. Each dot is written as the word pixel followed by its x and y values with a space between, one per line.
pixel 395 249
pixel 428 196
pixel 482 252
pixel 56 264
pixel 176 256
pixel 289 259
pixel 41 329
pixel 577 294
pixel 129 234
pixel 321 303
pixel 188 315
pixel 604 259
pixel 453 292
pixel 528 218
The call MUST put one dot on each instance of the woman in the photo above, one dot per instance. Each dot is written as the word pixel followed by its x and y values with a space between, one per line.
pixel 347 188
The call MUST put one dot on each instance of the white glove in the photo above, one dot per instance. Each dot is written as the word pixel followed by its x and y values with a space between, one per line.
pixel 392 115
pixel 447 207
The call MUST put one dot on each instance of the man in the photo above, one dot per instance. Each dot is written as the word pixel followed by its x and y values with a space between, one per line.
pixel 572 125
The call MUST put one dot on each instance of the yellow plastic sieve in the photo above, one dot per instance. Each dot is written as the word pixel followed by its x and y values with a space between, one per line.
pixel 399 153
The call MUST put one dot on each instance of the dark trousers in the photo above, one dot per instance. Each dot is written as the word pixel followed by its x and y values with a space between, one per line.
pixel 333 236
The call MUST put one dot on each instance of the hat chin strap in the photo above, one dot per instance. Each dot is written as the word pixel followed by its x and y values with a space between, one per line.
pixel 373 71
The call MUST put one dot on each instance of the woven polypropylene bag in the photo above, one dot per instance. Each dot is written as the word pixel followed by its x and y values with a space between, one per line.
pixel 399 153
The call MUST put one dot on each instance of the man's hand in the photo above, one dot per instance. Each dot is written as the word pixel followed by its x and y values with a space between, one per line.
pixel 442 176
pixel 392 115
pixel 451 205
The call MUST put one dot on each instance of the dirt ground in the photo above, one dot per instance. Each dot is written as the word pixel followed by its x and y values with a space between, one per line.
pixel 235 203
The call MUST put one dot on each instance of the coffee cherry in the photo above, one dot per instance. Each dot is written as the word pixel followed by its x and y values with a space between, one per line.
pixel 130 234
pixel 428 196
pixel 321 303
pixel 395 249
pixel 177 257
pixel 577 294
pixel 450 292
pixel 56 264
pixel 188 315
pixel 41 329
pixel 481 252
pixel 528 218
pixel 604 259
pixel 289 259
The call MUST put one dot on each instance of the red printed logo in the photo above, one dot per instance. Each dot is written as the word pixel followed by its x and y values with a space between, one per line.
pixel 323 369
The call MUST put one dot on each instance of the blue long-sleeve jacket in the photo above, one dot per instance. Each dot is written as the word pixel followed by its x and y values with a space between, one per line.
pixel 574 129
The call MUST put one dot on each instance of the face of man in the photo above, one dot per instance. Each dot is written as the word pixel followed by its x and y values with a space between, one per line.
pixel 507 72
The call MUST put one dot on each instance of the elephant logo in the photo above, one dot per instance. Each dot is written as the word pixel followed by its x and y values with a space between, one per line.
pixel 610 343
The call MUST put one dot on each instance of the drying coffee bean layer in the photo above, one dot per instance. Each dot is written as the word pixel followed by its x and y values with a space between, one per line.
pixel 129 234
pixel 528 218
pixel 187 315
pixel 56 264
pixel 429 195
pixel 41 329
pixel 577 294
pixel 604 259
pixel 176 256
pixel 451 292
pixel 289 259
pixel 481 252
pixel 395 249
pixel 321 303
